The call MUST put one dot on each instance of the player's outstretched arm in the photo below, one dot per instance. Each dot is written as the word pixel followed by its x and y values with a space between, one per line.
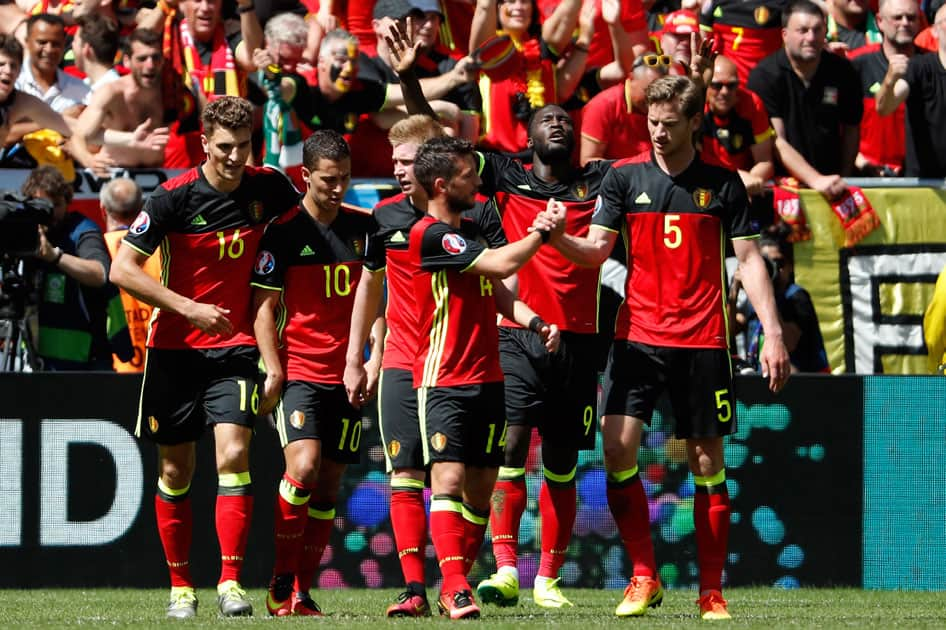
pixel 504 261
pixel 518 311
pixel 755 280
pixel 265 302
pixel 364 314
pixel 126 272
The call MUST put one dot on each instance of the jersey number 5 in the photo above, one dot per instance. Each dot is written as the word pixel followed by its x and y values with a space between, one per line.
pixel 673 235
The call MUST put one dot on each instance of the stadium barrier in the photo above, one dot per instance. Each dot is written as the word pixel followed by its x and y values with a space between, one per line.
pixel 833 482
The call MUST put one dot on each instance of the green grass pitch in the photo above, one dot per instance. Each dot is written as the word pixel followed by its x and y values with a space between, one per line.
pixel 355 608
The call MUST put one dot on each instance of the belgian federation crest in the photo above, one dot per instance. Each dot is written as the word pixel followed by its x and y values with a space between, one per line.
pixel 581 190
pixel 761 15
pixel 394 447
pixel 438 441
pixel 358 246
pixel 702 198
pixel 297 420
pixel 256 211
pixel 153 424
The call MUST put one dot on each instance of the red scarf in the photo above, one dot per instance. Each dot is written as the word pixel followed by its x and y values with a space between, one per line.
pixel 221 77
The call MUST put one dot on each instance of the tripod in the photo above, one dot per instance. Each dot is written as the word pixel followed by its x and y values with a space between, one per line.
pixel 18 353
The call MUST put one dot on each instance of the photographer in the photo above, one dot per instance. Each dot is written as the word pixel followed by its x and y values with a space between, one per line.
pixel 76 316
pixel 801 332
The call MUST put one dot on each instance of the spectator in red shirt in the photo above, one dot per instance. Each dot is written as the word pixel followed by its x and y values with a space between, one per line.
pixel 614 123
pixel 883 140
pixel 737 133
pixel 675 37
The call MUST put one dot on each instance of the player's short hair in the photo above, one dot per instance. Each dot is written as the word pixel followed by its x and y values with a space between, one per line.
pixel 339 34
pixel 229 112
pixel 49 182
pixel 144 36
pixel 416 129
pixel 534 116
pixel 47 18
pixel 101 34
pixel 287 28
pixel 665 89
pixel 806 7
pixel 121 197
pixel 440 157
pixel 325 144
pixel 11 48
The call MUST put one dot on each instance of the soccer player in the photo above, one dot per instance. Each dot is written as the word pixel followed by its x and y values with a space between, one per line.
pixel 305 279
pixel 201 366
pixel 400 430
pixel 671 331
pixel 554 392
pixel 456 369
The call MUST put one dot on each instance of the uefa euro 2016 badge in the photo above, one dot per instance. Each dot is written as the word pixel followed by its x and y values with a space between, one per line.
pixel 702 198
pixel 256 211
pixel 453 243
pixel 394 447
pixel 438 441
pixel 265 262
pixel 297 420
pixel 141 224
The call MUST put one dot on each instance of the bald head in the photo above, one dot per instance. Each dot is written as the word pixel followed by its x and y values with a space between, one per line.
pixel 121 200
pixel 724 67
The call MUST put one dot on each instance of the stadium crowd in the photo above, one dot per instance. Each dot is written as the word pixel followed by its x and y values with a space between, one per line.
pixel 493 108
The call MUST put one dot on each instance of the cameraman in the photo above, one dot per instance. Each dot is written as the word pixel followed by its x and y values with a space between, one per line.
pixel 74 298
pixel 800 329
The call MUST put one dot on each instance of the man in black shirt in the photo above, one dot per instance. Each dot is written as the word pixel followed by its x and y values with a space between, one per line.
pixel 921 82
pixel 812 97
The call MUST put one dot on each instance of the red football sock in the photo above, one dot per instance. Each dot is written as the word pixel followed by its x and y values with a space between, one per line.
pixel 448 531
pixel 628 503
pixel 233 527
pixel 711 520
pixel 509 502
pixel 317 531
pixel 175 527
pixel 557 508
pixel 409 521
pixel 476 522
pixel 292 502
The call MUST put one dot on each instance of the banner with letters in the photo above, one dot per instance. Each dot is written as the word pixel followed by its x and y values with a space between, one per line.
pixel 870 298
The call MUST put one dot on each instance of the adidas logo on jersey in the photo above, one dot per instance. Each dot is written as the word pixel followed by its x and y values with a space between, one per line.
pixel 307 251
pixel 199 220
pixel 398 237
pixel 642 198
pixel 524 186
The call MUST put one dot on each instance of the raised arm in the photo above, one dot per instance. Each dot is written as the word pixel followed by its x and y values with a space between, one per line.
pixel 894 89
pixel 484 24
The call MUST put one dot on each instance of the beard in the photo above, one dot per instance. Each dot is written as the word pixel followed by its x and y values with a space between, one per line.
pixel 550 153
pixel 459 204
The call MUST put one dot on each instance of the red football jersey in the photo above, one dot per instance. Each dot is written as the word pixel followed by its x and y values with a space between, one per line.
pixel 674 229
pixel 387 251
pixel 609 119
pixel 316 267
pixel 728 140
pixel 554 287
pixel 883 138
pixel 750 30
pixel 458 342
pixel 601 49
pixel 208 242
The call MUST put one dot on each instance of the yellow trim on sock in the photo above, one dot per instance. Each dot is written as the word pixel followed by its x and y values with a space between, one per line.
pixel 471 516
pixel 622 475
pixel 322 515
pixel 181 589
pixel 511 474
pixel 556 478
pixel 446 505
pixel 234 480
pixel 288 492
pixel 708 482
pixel 172 492
pixel 406 483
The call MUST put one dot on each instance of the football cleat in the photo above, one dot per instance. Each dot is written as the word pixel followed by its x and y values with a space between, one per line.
pixel 231 598
pixel 501 589
pixel 409 604
pixel 713 606
pixel 304 606
pixel 458 605
pixel 549 595
pixel 183 604
pixel 641 593
pixel 279 596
